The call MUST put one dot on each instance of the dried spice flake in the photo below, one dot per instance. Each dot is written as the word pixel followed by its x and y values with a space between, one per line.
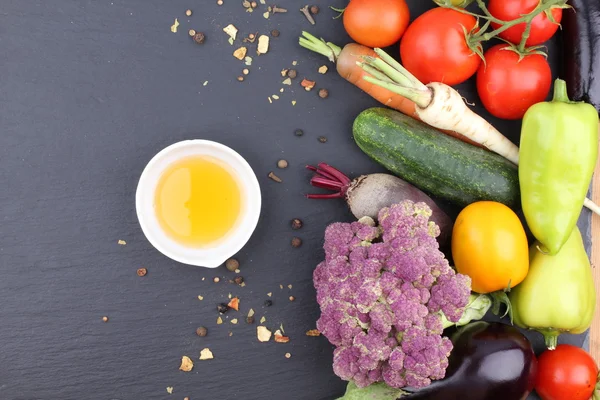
pixel 200 297
pixel 240 53
pixel 248 60
pixel 263 320
pixel 280 286
pixel 122 242
pixel 174 26
pixel 279 338
pixel 266 15
pixel 170 389
pixel 323 69
pixel 263 334
pixel 313 332
pixel 234 303
pixel 205 83
pixel 307 85
pixel 186 364
pixel 219 321
pixel 284 72
pixel 270 294
pixel 231 31
pixel 287 81
pixel 206 354
pixel 251 313
pixel 270 102
pixel 275 97
pixel 234 321
pixel 293 102
pixel 263 44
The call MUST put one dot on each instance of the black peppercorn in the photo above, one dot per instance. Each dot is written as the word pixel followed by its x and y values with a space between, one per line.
pixel 296 223
pixel 199 37
pixel 296 242
pixel 323 93
pixel 222 308
pixel 268 303
pixel 314 10
pixel 232 264
pixel 239 280
pixel 201 331
pixel 275 33
pixel 292 73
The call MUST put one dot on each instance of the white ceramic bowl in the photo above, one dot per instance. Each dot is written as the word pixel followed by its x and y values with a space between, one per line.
pixel 210 257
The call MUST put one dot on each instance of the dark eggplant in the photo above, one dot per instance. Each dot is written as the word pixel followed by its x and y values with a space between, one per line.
pixel 581 51
pixel 489 361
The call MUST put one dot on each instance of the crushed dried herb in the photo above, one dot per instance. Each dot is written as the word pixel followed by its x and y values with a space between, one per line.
pixel 313 332
pixel 186 364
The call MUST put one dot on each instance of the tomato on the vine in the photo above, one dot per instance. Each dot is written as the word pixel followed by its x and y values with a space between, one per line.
pixel 542 28
pixel 434 47
pixel 508 86
pixel 376 23
pixel 566 373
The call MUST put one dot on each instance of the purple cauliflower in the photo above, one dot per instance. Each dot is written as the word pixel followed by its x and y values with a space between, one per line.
pixel 385 293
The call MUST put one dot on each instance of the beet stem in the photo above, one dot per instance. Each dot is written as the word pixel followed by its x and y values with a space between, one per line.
pixel 325 196
pixel 322 173
pixel 335 172
pixel 324 183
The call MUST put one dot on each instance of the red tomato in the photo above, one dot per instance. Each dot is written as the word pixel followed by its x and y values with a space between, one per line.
pixel 376 23
pixel 566 373
pixel 434 48
pixel 507 87
pixel 542 29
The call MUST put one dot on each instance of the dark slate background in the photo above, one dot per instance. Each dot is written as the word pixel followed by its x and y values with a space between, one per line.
pixel 89 92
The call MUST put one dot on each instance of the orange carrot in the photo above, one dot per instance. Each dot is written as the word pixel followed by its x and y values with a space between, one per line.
pixel 347 62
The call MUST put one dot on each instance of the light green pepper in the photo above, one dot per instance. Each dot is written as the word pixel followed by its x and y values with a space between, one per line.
pixel 558 153
pixel 558 294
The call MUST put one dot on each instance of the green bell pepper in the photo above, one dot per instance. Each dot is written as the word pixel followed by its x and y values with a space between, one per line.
pixel 558 294
pixel 558 153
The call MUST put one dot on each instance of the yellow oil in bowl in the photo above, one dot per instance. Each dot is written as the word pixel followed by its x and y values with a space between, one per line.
pixel 197 201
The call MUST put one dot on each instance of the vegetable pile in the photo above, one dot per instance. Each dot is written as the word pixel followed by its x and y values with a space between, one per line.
pixel 384 293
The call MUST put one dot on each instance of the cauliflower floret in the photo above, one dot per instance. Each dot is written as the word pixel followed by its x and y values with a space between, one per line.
pixel 382 291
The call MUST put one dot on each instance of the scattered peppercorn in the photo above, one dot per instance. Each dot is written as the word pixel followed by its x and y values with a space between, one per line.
pixel 275 33
pixel 296 223
pixel 245 71
pixel 323 93
pixel 251 36
pixel 298 132
pixel 250 319
pixel 142 271
pixel 239 280
pixel 188 13
pixel 296 242
pixel 199 37
pixel 240 78
pixel 288 355
pixel 216 279
pixel 192 32
pixel 202 331
pixel 222 308
pixel 292 298
pixel 268 303
pixel 314 10
pixel 282 164
pixel 292 73
pixel 322 139
pixel 105 319
pixel 232 264
pixel 253 4
pixel 220 2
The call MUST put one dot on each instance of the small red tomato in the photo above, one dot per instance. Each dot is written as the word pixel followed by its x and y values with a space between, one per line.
pixel 566 373
pixel 542 28
pixel 434 47
pixel 376 23
pixel 508 86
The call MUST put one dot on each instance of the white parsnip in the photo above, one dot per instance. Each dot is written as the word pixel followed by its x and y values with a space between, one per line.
pixel 442 107
pixel 448 111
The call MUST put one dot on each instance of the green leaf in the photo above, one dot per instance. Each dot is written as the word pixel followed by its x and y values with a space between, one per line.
pixel 376 391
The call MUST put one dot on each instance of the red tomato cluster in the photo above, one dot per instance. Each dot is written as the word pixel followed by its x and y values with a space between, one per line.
pixel 434 48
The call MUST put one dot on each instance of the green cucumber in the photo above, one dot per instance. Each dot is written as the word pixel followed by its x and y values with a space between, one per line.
pixel 436 163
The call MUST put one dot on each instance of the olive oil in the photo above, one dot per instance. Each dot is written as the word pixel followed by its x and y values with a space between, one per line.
pixel 197 201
